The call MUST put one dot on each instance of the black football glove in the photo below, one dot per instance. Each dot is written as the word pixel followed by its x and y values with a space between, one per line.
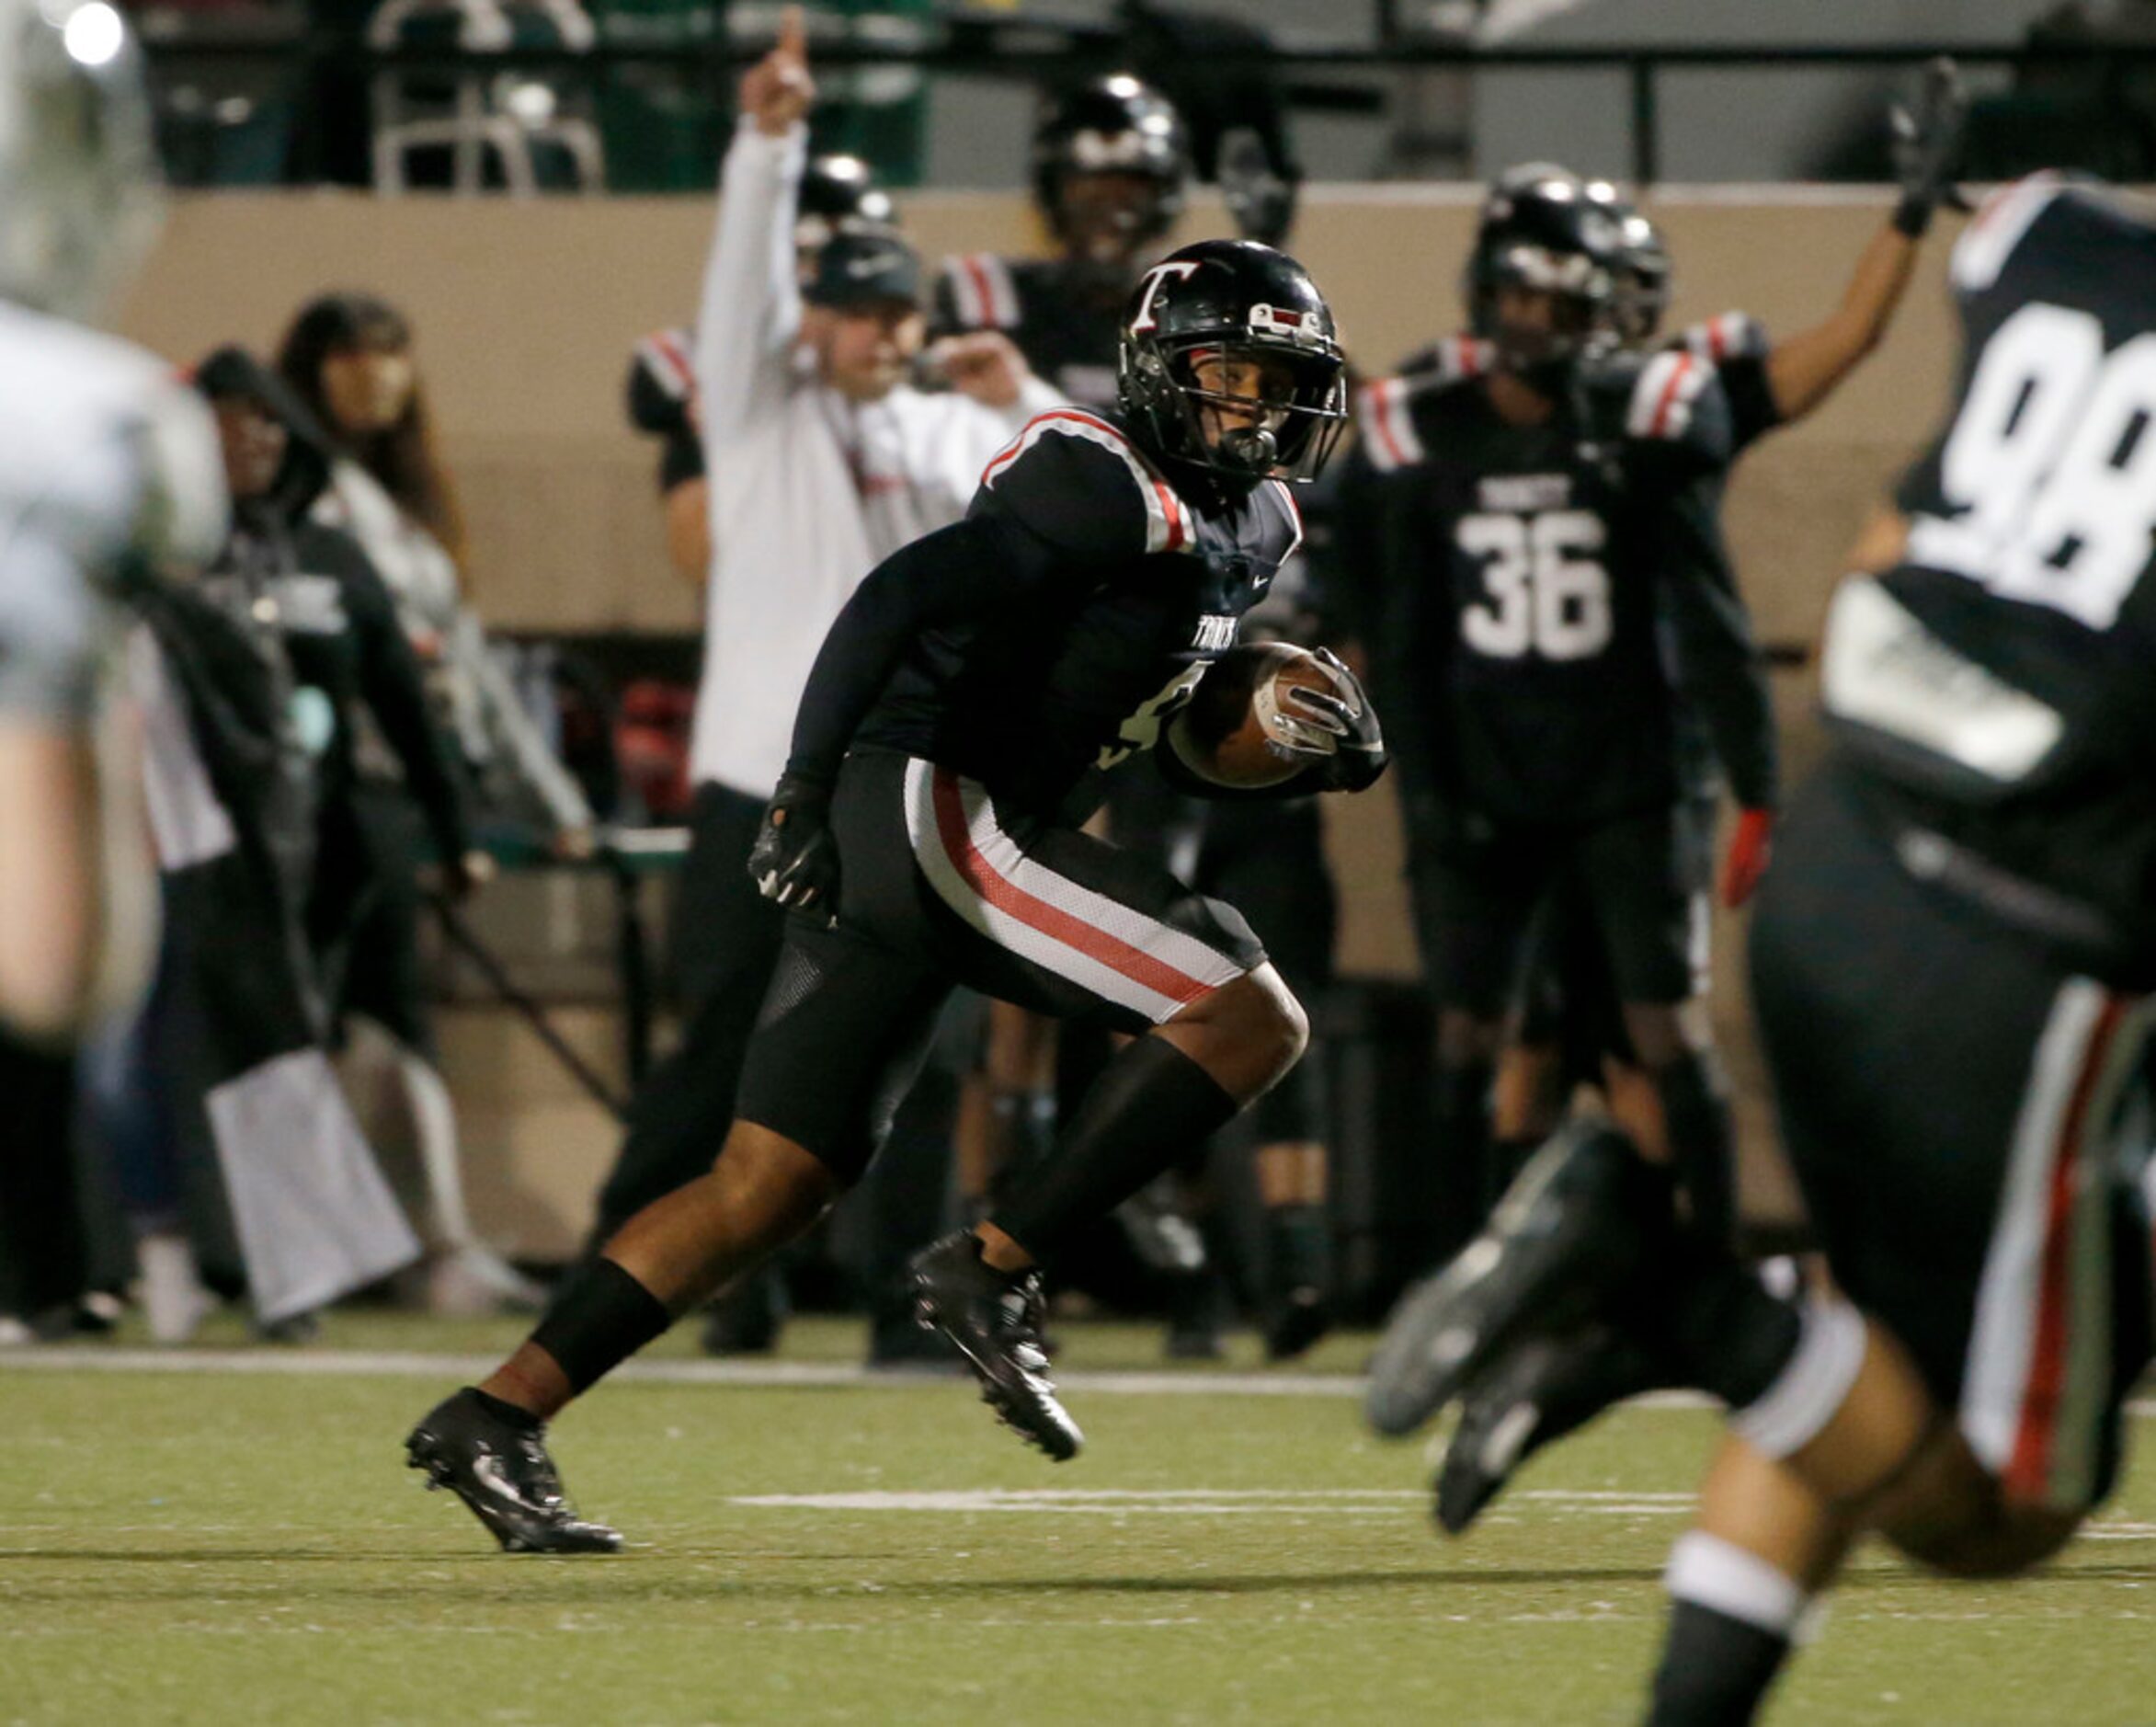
pixel 1927 145
pixel 795 859
pixel 1357 756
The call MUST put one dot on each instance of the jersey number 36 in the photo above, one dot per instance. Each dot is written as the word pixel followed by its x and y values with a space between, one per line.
pixel 1545 590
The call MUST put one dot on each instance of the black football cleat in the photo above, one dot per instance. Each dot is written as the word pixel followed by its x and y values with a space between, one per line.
pixel 1570 1235
pixel 503 1473
pixel 1544 1388
pixel 1294 1320
pixel 995 1319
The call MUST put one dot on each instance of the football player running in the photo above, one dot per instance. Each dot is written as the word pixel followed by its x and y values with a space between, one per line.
pixel 1534 529
pixel 108 466
pixel 959 718
pixel 1948 963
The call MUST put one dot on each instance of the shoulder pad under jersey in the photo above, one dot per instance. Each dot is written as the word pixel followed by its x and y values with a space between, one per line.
pixel 1998 228
pixel 1733 335
pixel 1675 402
pixel 1077 483
pixel 978 291
pixel 662 381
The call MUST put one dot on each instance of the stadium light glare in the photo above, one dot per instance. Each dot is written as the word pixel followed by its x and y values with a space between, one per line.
pixel 92 34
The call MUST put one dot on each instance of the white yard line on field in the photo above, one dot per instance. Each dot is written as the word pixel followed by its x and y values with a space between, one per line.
pixel 342 1364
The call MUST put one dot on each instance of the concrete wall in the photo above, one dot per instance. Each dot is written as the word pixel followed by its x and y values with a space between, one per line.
pixel 524 316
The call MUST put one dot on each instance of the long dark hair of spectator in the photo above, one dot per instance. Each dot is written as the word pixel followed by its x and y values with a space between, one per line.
pixel 401 458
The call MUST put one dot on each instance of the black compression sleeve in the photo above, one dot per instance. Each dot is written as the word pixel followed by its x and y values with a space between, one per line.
pixel 958 571
pixel 1717 661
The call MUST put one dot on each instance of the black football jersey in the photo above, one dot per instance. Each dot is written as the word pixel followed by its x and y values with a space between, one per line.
pixel 1123 586
pixel 2001 683
pixel 1524 575
pixel 1067 329
pixel 1735 344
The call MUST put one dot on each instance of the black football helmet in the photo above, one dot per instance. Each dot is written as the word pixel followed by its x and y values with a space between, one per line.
pixel 1643 277
pixel 838 196
pixel 1234 298
pixel 1542 229
pixel 1114 125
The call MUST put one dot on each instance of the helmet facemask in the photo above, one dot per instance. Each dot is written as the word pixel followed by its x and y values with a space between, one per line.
pixel 1287 431
pixel 1643 283
pixel 1581 290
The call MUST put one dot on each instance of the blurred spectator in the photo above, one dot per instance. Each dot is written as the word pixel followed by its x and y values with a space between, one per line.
pixel 227 1130
pixel 348 358
pixel 350 666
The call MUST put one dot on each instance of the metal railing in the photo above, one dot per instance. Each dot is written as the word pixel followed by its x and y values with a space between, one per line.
pixel 1307 79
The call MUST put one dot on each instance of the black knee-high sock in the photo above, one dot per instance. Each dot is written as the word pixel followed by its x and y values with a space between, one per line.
pixel 1459 1110
pixel 1714 1669
pixel 1696 1114
pixel 1150 1104
pixel 1732 1618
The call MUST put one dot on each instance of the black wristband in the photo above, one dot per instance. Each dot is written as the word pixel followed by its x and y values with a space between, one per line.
pixel 1912 215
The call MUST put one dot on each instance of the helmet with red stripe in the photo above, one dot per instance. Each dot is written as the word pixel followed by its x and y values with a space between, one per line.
pixel 1230 362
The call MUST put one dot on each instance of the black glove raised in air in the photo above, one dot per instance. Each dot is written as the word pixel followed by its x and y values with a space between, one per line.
pixel 1927 145
pixel 794 860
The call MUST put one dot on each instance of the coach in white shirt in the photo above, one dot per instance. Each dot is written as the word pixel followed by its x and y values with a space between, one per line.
pixel 824 459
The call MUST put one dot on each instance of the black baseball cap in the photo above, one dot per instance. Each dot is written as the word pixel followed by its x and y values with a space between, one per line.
pixel 864 268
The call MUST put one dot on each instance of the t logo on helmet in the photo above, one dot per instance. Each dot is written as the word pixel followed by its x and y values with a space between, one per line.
pixel 1150 290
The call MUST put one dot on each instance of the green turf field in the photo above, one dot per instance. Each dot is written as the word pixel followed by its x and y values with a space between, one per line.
pixel 228 1547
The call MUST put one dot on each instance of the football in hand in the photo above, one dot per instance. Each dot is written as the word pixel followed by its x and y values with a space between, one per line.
pixel 1237 731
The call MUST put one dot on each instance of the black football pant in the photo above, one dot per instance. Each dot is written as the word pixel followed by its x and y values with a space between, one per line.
pixel 725 938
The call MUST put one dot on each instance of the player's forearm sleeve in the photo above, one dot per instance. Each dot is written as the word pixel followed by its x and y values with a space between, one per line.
pixel 963 570
pixel 1717 661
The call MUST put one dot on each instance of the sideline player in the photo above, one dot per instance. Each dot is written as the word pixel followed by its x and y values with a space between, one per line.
pixel 1111 166
pixel 976 683
pixel 1570 1028
pixel 1948 963
pixel 1534 529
